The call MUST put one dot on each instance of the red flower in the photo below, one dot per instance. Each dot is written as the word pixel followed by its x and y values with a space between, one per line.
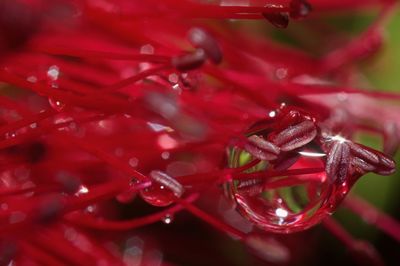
pixel 112 110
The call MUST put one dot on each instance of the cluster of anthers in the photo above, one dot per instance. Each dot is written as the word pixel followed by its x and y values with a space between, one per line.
pixel 110 110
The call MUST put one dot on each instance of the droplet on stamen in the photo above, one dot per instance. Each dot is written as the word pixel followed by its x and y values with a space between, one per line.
pixel 168 219
pixel 163 191
pixel 56 104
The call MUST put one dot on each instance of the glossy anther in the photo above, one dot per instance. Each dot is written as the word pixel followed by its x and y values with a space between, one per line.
pixel 203 40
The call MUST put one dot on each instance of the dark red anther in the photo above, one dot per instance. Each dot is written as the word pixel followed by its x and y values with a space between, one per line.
pixel 299 9
pixel 279 20
pixel 295 136
pixel 371 159
pixel 362 166
pixel 261 148
pixel 337 162
pixel 189 61
pixel 201 39
pixel 364 153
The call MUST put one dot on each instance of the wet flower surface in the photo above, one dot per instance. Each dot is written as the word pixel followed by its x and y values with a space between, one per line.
pixel 179 132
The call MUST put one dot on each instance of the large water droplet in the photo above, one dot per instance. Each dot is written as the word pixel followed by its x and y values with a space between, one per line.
pixel 276 196
pixel 164 190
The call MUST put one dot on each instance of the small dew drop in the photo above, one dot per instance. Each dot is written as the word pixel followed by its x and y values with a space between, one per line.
pixel 10 135
pixel 281 213
pixel 166 142
pixel 82 190
pixel 32 79
pixel 165 155
pixel 173 78
pixel 91 209
pixel 133 162
pixel 56 104
pixel 168 219
pixel 272 114
pixel 147 49
pixel 281 73
pixel 53 72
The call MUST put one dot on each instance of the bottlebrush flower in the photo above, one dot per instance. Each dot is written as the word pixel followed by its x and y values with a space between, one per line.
pixel 117 116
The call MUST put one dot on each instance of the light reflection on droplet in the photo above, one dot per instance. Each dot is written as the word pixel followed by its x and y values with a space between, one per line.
pixel 53 72
pixel 82 190
pixel 165 155
pixel 168 219
pixel 133 162
pixel 281 73
pixel 312 154
pixel 338 138
pixel 147 49
pixel 173 78
pixel 272 114
pixel 281 213
pixel 32 79
pixel 166 142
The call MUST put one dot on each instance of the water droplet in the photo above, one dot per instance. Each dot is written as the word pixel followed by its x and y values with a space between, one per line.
pixel 165 155
pixel 281 73
pixel 168 219
pixel 53 72
pixel 56 104
pixel 164 190
pixel 285 202
pixel 272 114
pixel 166 142
pixel 147 49
pixel 133 162
pixel 82 190
pixel 32 79
pixel 10 135
pixel 173 78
